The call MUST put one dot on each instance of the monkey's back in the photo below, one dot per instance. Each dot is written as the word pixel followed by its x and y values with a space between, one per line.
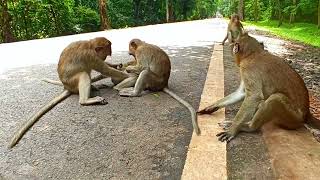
pixel 276 76
pixel 156 59
pixel 73 60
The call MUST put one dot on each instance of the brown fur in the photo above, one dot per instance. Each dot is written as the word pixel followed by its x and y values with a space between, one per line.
pixel 234 30
pixel 273 91
pixel 76 62
pixel 152 72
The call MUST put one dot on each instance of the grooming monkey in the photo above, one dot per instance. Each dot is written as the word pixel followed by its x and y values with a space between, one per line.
pixel 76 62
pixel 271 91
pixel 235 29
pixel 152 69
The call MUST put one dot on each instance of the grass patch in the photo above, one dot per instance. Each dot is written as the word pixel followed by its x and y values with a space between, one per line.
pixel 303 32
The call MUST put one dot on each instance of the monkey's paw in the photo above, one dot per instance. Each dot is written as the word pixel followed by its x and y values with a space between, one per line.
pixel 208 110
pixel 128 92
pixel 101 100
pixel 225 136
pixel 225 124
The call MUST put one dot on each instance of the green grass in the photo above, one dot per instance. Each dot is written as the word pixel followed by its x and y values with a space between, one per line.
pixel 303 32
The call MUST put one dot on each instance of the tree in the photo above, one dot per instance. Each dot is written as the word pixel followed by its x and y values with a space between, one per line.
pixel 319 15
pixel 169 10
pixel 256 10
pixel 241 10
pixel 103 15
pixel 6 34
pixel 136 11
pixel 280 16
pixel 293 11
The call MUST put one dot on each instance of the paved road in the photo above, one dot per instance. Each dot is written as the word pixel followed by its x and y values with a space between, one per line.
pixel 130 138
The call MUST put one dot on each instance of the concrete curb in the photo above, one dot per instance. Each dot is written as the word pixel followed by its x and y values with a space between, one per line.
pixel 206 158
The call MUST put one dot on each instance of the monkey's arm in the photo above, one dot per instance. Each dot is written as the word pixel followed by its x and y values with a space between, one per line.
pixel 224 40
pixel 108 71
pixel 130 63
pixel 137 69
pixel 244 115
pixel 114 65
pixel 232 98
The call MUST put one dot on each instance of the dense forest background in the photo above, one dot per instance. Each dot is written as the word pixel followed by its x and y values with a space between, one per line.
pixel 33 19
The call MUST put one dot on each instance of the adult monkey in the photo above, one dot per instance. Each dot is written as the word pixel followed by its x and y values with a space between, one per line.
pixel 152 68
pixel 235 29
pixel 273 91
pixel 76 62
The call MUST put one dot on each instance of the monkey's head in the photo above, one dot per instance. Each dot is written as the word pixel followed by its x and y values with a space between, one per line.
pixel 102 46
pixel 245 46
pixel 235 18
pixel 133 45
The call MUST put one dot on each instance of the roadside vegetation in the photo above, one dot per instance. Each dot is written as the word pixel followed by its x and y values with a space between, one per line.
pixel 34 19
pixel 303 32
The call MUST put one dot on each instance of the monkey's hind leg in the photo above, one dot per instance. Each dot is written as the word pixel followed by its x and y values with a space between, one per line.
pixel 145 79
pixel 52 82
pixel 129 82
pixel 276 106
pixel 84 85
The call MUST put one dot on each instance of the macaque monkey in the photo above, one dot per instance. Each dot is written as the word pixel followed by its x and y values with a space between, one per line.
pixel 76 62
pixel 270 89
pixel 152 69
pixel 235 29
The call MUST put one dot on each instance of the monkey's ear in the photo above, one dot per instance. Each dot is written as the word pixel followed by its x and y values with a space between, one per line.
pixel 236 48
pixel 133 44
pixel 98 49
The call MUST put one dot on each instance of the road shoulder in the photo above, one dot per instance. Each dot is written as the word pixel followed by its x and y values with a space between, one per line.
pixel 206 158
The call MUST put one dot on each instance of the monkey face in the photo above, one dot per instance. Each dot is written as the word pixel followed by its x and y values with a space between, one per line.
pixel 132 48
pixel 103 51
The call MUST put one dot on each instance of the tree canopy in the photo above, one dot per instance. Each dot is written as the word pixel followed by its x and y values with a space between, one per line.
pixel 32 19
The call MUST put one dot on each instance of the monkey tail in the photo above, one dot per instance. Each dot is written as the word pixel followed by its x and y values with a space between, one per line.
pixel 190 108
pixel 313 125
pixel 35 117
pixel 52 82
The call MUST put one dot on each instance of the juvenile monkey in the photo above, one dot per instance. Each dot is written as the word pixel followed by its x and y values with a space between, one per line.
pixel 235 29
pixel 152 69
pixel 271 89
pixel 76 62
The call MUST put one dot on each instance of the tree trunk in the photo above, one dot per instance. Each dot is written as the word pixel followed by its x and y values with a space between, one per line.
pixel 256 10
pixel 279 13
pixel 6 34
pixel 169 10
pixel 103 15
pixel 292 14
pixel 136 11
pixel 319 15
pixel 241 10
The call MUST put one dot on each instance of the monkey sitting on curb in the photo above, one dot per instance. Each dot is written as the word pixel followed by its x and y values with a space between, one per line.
pixel 76 62
pixel 271 91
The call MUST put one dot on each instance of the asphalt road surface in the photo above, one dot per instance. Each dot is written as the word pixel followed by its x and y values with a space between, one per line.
pixel 129 138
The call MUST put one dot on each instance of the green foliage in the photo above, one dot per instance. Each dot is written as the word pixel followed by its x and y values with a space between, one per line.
pixel 30 19
pixel 303 32
pixel 87 20
pixel 203 9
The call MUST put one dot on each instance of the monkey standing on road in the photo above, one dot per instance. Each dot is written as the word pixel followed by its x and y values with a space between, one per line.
pixel 235 29
pixel 271 89
pixel 76 62
pixel 152 69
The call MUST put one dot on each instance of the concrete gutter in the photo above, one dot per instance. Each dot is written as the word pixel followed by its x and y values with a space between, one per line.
pixel 206 158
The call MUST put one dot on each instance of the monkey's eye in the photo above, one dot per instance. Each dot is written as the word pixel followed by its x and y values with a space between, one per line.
pixel 236 48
